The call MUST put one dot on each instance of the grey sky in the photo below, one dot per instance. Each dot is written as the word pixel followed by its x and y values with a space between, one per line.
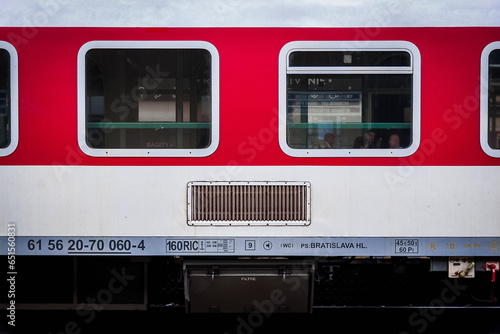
pixel 238 13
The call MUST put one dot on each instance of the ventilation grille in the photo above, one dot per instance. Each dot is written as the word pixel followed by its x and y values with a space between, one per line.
pixel 249 203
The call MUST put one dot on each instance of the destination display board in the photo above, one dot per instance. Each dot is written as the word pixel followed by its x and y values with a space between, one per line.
pixel 325 106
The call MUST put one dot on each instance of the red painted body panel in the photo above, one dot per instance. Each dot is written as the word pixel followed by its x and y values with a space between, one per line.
pixel 249 93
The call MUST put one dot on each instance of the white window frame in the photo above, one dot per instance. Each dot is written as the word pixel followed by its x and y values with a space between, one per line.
pixel 285 69
pixel 149 152
pixel 483 103
pixel 14 99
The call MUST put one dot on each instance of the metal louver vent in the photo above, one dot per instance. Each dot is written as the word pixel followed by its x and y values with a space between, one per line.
pixel 249 203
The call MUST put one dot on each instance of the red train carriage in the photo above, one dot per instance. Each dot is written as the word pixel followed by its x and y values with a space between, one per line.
pixel 297 160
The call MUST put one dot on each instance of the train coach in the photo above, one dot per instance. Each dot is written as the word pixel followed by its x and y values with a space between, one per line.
pixel 250 169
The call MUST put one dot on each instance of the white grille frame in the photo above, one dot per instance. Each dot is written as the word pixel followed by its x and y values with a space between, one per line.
pixel 249 203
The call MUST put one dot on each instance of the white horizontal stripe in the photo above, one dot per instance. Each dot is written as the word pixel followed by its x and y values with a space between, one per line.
pixel 345 200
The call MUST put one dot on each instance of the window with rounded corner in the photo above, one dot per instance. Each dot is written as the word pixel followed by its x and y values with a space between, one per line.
pixel 340 99
pixel 148 98
pixel 8 99
pixel 490 99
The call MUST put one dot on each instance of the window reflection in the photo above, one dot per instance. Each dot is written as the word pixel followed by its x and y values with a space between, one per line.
pixel 494 99
pixel 148 98
pixel 4 99
pixel 362 99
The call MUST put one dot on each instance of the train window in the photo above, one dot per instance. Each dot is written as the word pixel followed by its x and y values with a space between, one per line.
pixel 8 99
pixel 355 101
pixel 148 98
pixel 490 99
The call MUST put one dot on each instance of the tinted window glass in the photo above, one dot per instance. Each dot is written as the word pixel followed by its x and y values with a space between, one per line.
pixel 5 114
pixel 349 58
pixel 350 109
pixel 494 99
pixel 148 98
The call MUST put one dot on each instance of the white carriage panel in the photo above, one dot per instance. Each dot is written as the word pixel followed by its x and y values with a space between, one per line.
pixel 345 200
pixel 54 200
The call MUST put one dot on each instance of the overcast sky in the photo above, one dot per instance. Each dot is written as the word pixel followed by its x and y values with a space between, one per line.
pixel 240 13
